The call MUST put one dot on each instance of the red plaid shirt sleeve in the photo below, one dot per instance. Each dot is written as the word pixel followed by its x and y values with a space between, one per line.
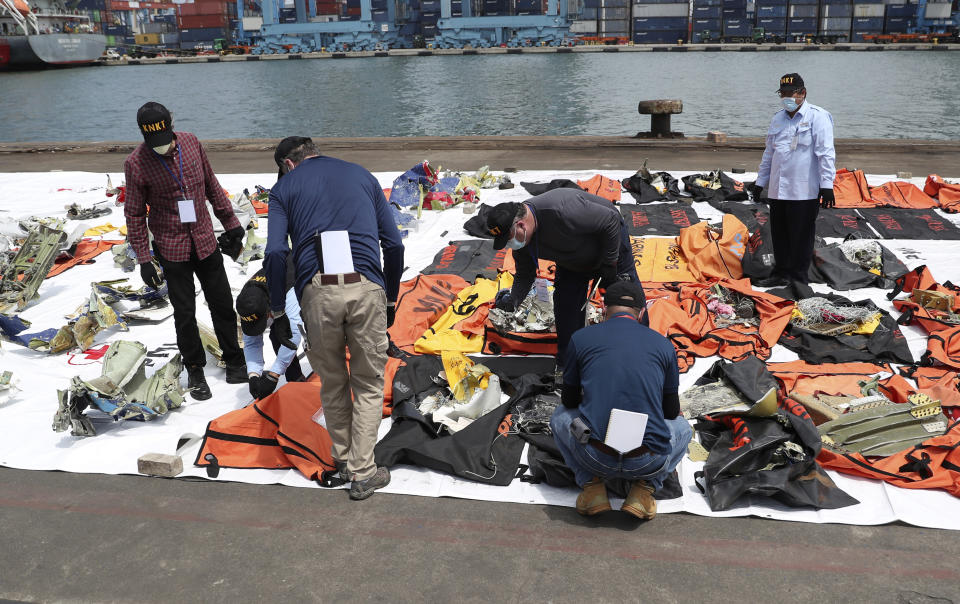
pixel 153 182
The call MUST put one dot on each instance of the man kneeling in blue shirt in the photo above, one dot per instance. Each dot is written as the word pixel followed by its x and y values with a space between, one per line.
pixel 253 306
pixel 620 364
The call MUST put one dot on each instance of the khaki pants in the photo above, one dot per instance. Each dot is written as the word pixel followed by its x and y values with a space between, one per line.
pixel 352 315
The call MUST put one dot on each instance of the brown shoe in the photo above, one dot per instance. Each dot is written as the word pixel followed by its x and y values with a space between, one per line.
pixel 593 499
pixel 640 501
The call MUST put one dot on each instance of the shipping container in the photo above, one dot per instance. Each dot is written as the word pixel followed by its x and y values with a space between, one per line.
pixel 659 37
pixel 804 2
pixel 836 10
pixel 733 13
pixel 835 2
pixel 147 39
pixel 772 3
pixel 433 5
pixel 526 5
pixel 660 10
pixel 868 10
pixel 867 24
pixel 803 11
pixel 697 3
pixel 897 25
pixel 835 24
pixel 583 27
pixel 170 38
pixel 589 14
pixel 737 27
pixel 659 23
pixel 772 25
pixel 901 10
pixel 765 10
pixel 202 35
pixel 200 45
pixel 616 3
pixel 203 22
pixel 613 28
pixel 714 25
pixel 706 12
pixel 741 4
pixel 804 25
pixel 618 13
pixel 860 36
pixel 938 11
pixel 115 30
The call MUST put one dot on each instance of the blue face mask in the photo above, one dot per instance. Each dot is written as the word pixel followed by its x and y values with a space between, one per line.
pixel 789 103
pixel 515 244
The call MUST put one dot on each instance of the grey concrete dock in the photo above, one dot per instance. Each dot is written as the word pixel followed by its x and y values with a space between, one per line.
pixel 245 156
pixel 415 52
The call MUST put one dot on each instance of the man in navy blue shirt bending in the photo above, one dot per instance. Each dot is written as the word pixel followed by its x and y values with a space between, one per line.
pixel 337 219
pixel 620 364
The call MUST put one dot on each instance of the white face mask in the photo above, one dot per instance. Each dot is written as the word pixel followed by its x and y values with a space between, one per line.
pixel 163 149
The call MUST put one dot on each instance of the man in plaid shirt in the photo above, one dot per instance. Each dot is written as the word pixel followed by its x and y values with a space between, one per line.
pixel 170 176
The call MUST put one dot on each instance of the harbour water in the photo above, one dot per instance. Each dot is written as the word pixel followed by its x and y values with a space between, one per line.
pixel 871 95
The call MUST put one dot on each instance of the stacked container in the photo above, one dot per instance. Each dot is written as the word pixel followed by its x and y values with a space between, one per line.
pixel 938 9
pixel 836 18
pixel 528 7
pixel 613 19
pixel 802 18
pixel 899 18
pixel 737 18
pixel 867 19
pixel 660 23
pixel 586 24
pixel 772 17
pixel 706 20
pixel 204 21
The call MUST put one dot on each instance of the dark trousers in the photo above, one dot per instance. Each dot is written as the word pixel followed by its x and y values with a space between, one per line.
pixel 183 297
pixel 794 228
pixel 294 373
pixel 571 290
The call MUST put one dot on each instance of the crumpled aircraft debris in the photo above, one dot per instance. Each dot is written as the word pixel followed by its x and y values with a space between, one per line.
pixel 123 391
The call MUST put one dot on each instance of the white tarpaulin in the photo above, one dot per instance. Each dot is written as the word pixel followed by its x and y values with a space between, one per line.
pixel 30 443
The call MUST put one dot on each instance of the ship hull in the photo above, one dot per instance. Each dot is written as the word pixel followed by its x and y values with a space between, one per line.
pixel 50 50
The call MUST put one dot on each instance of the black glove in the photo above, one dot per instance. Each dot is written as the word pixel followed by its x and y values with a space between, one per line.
pixel 253 383
pixel 504 301
pixel 391 314
pixel 268 384
pixel 231 242
pixel 608 275
pixel 281 331
pixel 827 198
pixel 756 191
pixel 148 272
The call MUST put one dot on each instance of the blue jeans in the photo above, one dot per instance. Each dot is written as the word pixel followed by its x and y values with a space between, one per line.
pixel 587 461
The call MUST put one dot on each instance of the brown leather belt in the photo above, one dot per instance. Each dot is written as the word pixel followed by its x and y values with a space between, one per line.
pixel 335 279
pixel 600 446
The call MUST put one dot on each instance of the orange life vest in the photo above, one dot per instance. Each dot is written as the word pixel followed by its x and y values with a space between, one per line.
pixel 715 256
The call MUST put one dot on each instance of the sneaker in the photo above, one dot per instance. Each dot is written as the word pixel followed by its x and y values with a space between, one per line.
pixel 197 384
pixel 593 499
pixel 361 489
pixel 640 501
pixel 236 374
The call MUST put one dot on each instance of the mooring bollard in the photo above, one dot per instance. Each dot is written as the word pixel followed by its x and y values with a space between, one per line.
pixel 660 111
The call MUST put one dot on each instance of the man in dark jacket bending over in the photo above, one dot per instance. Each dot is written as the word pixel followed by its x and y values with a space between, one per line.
pixel 583 233
pixel 620 365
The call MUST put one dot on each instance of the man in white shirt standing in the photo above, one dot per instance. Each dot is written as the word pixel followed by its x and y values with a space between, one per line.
pixel 796 173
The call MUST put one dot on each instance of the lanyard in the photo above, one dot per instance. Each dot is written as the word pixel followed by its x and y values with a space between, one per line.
pixel 179 181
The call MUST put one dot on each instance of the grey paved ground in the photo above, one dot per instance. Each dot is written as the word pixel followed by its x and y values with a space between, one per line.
pixel 125 538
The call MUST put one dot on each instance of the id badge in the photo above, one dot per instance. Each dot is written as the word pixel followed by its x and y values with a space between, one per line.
pixel 187 212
